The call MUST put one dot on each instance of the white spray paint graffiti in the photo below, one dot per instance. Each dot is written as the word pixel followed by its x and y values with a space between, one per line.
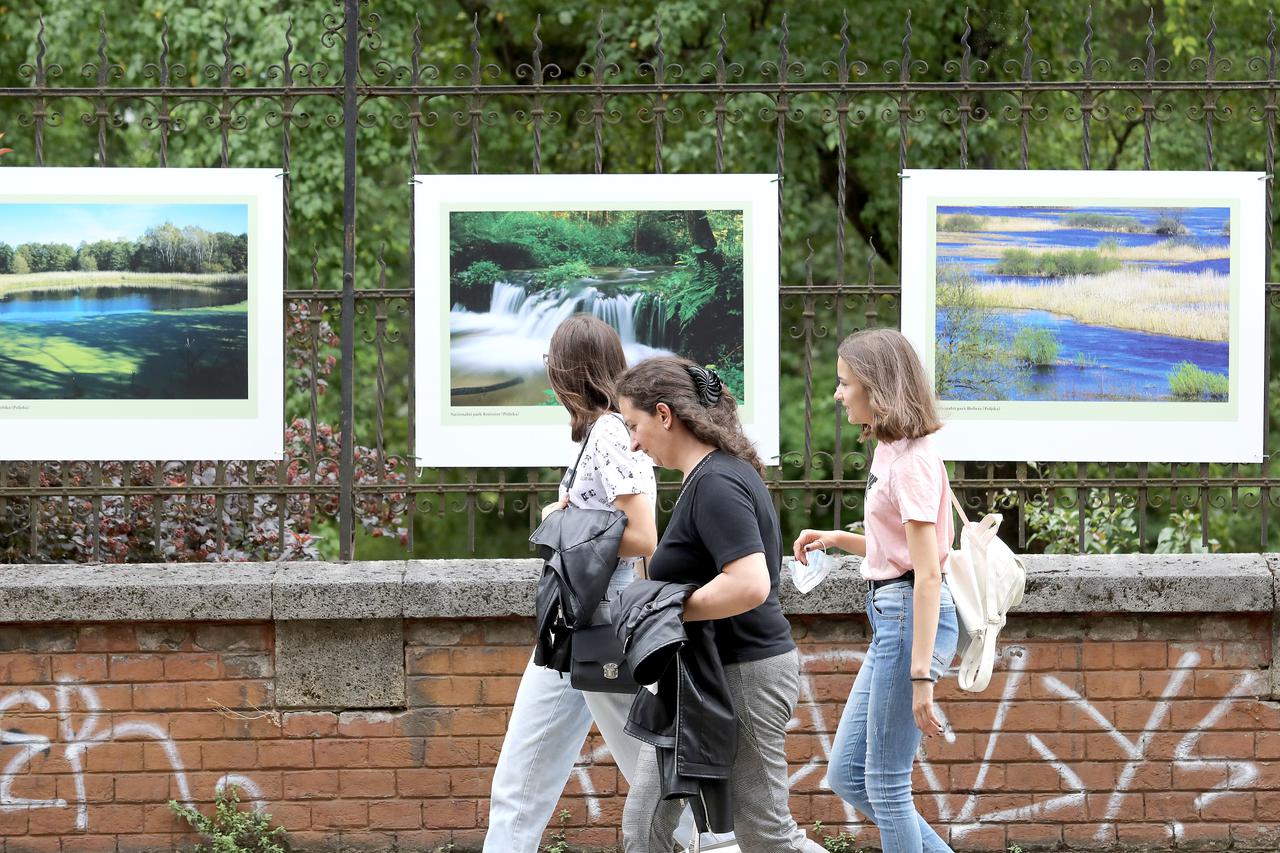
pixel 245 785
pixel 72 699
pixel 1237 773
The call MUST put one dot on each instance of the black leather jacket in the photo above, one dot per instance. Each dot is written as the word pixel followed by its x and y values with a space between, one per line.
pixel 690 719
pixel 580 553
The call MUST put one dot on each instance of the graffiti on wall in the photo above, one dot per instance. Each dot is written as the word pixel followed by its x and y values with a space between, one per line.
pixel 72 700
pixel 961 813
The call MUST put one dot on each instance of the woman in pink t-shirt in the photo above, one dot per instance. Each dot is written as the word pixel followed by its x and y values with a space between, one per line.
pixel 883 386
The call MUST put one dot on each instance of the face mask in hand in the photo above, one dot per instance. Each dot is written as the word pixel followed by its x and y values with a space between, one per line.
pixel 807 577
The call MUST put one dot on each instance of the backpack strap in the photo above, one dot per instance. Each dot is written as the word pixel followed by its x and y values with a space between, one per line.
pixel 955 502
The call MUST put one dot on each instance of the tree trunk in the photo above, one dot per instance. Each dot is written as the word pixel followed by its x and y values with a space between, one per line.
pixel 703 237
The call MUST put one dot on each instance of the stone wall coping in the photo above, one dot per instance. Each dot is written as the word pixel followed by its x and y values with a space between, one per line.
pixel 478 588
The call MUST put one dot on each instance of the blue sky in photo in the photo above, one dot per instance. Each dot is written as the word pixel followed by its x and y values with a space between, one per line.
pixel 74 223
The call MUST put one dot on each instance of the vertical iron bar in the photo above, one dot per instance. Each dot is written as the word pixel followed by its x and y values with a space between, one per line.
pixel 1264 494
pixel 350 124
pixel 1025 106
pixel 415 123
pixel 42 103
pixel 1086 106
pixel 1148 101
pixel 842 192
pixel 286 153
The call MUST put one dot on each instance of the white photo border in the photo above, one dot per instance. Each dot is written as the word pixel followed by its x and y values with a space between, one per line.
pixel 1009 437
pixel 490 443
pixel 139 429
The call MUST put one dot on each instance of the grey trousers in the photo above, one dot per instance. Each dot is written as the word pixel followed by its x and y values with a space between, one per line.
pixel 764 696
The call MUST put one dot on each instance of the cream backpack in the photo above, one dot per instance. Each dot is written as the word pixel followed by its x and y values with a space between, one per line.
pixel 987 580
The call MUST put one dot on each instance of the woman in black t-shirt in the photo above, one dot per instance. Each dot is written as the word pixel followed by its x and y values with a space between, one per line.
pixel 724 536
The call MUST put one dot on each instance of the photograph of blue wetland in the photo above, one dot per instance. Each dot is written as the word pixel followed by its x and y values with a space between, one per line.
pixel 1083 303
pixel 124 301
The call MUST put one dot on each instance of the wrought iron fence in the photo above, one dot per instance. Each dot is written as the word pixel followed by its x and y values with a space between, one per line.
pixel 349 473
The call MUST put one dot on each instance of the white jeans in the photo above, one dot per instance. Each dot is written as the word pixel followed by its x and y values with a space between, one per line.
pixel 549 723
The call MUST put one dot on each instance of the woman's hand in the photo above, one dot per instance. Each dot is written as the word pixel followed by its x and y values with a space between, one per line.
pixel 922 708
pixel 550 508
pixel 806 540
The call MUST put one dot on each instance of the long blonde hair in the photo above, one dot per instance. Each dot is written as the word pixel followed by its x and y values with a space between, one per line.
pixel 901 398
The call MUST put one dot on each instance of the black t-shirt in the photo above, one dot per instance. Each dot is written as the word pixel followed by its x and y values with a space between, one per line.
pixel 724 513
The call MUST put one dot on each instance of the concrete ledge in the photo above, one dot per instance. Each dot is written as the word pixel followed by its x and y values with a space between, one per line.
pixel 168 592
pixel 368 590
pixel 470 588
pixel 425 589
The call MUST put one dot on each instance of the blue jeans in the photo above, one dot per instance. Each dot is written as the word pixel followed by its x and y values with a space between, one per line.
pixel 876 742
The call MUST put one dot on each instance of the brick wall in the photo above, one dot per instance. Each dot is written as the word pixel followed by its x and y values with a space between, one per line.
pixel 1138 726
pixel 1095 732
pixel 103 724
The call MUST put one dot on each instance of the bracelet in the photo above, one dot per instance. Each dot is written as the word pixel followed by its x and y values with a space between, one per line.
pixel 921 678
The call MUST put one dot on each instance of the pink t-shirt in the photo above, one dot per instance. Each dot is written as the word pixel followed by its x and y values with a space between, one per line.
pixel 908 482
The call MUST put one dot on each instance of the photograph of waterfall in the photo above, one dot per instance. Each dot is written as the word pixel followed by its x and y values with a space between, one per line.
pixel 122 302
pixel 670 273
pixel 669 282
pixel 1107 301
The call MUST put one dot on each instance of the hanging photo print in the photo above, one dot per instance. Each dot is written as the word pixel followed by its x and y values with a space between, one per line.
pixel 677 264
pixel 1089 316
pixel 141 314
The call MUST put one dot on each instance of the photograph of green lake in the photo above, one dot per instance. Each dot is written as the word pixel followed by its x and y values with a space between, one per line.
pixel 132 301
pixel 1082 303
pixel 669 281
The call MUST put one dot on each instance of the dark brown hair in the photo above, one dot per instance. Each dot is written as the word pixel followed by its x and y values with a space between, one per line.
pixel 886 365
pixel 666 379
pixel 584 361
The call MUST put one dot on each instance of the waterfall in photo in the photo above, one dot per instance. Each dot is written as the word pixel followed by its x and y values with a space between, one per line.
pixel 496 355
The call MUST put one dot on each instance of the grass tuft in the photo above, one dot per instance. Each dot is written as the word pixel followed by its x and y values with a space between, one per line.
pixel 1189 382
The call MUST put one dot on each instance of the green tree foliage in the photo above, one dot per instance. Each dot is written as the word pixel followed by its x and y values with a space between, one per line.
pixel 162 248
pixel 815 130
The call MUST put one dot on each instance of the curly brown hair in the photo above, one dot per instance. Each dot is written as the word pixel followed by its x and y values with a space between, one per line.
pixel 666 379
pixel 584 360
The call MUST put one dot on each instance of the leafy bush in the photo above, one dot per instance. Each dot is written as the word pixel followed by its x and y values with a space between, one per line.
pixel 1107 529
pixel 1182 535
pixel 962 222
pixel 231 830
pixel 1103 222
pixel 1189 382
pixel 1054 264
pixel 1038 347
pixel 1170 225
pixel 479 274
pixel 972 358
pixel 561 274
